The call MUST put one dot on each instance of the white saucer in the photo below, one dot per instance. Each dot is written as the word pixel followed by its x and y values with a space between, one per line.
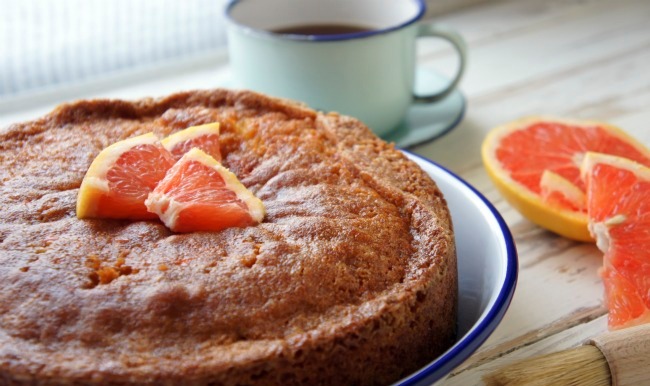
pixel 426 122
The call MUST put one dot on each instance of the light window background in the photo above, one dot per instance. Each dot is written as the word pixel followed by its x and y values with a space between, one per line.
pixel 45 44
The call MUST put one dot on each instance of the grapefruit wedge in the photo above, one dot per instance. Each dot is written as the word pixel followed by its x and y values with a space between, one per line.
pixel 534 162
pixel 618 204
pixel 121 177
pixel 199 194
pixel 204 137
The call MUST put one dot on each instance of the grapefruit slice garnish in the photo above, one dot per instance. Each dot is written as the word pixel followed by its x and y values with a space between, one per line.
pixel 204 137
pixel 121 177
pixel 517 155
pixel 199 194
pixel 618 204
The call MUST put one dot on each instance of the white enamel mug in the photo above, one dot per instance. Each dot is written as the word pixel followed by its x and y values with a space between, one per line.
pixel 369 75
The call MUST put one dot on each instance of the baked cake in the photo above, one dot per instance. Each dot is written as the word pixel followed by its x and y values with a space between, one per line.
pixel 350 279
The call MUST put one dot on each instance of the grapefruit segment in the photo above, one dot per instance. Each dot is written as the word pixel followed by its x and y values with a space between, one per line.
pixel 626 307
pixel 120 178
pixel 204 137
pixel 618 204
pixel 517 155
pixel 199 194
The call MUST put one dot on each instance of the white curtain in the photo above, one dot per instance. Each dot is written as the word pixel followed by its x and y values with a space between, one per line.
pixel 48 43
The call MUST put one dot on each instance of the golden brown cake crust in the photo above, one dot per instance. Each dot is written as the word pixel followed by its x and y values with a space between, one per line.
pixel 350 279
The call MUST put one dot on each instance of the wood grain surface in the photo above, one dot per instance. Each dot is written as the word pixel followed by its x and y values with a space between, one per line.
pixel 575 59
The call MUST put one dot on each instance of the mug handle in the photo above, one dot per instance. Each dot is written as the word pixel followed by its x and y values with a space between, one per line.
pixel 432 30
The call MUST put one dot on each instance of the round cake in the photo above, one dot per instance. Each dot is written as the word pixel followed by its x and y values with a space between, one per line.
pixel 350 279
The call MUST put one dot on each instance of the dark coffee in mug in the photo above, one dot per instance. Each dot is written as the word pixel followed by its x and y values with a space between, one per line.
pixel 322 29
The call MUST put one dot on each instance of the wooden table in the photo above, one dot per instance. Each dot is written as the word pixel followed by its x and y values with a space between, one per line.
pixel 581 59
pixel 567 58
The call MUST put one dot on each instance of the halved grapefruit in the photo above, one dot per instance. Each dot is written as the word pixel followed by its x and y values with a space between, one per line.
pixel 204 137
pixel 199 194
pixel 618 204
pixel 121 177
pixel 517 156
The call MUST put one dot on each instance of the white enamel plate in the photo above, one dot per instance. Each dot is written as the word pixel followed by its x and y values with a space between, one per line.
pixel 487 270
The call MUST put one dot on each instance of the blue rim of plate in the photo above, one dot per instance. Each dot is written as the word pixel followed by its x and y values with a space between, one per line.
pixel 476 336
pixel 326 38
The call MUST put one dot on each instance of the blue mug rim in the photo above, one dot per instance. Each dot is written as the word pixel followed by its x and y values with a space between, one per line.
pixel 325 38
